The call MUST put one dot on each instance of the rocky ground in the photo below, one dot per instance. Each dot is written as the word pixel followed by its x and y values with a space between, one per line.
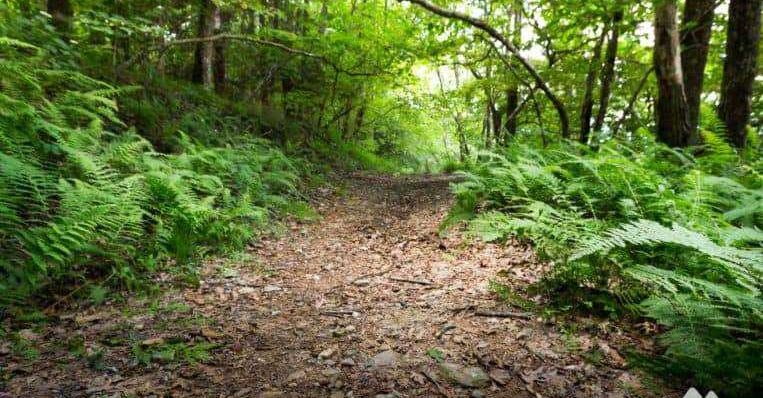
pixel 368 301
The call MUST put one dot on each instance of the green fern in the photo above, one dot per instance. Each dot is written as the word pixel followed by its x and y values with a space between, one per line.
pixel 649 232
pixel 601 216
pixel 78 201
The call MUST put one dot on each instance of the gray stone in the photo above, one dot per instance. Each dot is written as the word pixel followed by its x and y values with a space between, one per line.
pixel 326 354
pixel 385 359
pixel 294 376
pixel 271 288
pixel 500 376
pixel 247 290
pixel 330 372
pixel 472 376
pixel 362 282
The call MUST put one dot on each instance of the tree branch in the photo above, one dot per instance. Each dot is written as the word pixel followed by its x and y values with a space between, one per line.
pixel 632 101
pixel 492 32
pixel 227 36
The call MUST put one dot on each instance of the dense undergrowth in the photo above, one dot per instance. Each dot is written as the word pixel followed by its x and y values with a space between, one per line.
pixel 636 225
pixel 86 201
pixel 101 185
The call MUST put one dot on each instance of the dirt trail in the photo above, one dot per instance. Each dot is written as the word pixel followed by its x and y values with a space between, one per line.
pixel 369 301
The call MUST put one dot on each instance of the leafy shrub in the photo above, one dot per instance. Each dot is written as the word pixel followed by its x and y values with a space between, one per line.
pixel 593 212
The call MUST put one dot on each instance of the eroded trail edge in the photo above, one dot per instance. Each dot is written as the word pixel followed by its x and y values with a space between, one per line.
pixel 367 301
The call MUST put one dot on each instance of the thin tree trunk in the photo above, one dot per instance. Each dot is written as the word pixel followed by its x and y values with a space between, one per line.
pixel 486 126
pixel 205 50
pixel 345 123
pixel 512 93
pixel 740 68
pixel 497 116
pixel 463 146
pixel 608 74
pixel 359 119
pixel 539 115
pixel 219 67
pixel 512 101
pixel 696 29
pixel 324 17
pixel 672 111
pixel 586 109
pixel 490 137
pixel 61 12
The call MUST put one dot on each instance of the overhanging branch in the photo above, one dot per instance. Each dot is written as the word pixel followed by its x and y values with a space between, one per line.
pixel 227 36
pixel 492 32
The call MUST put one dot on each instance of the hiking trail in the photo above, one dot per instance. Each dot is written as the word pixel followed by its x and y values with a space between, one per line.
pixel 367 301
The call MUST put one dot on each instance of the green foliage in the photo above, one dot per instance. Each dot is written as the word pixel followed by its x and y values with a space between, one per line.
pixel 602 215
pixel 710 303
pixel 174 352
pixel 436 354
pixel 82 197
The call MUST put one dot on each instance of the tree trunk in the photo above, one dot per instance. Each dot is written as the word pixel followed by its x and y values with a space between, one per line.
pixel 512 101
pixel 205 50
pixel 497 126
pixel 487 128
pixel 463 147
pixel 696 30
pixel 608 74
pixel 586 109
pixel 740 68
pixel 672 111
pixel 360 118
pixel 512 93
pixel 61 12
pixel 220 74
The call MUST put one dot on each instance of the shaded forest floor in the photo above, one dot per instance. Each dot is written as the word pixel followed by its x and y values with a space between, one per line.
pixel 367 301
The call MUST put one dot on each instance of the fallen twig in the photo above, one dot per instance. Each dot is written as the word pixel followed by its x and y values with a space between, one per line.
pixel 338 312
pixel 414 281
pixel 444 329
pixel 371 275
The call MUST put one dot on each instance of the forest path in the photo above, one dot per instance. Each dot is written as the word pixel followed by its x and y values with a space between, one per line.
pixel 368 301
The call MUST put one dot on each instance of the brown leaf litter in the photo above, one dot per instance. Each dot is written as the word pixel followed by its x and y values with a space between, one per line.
pixel 370 301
